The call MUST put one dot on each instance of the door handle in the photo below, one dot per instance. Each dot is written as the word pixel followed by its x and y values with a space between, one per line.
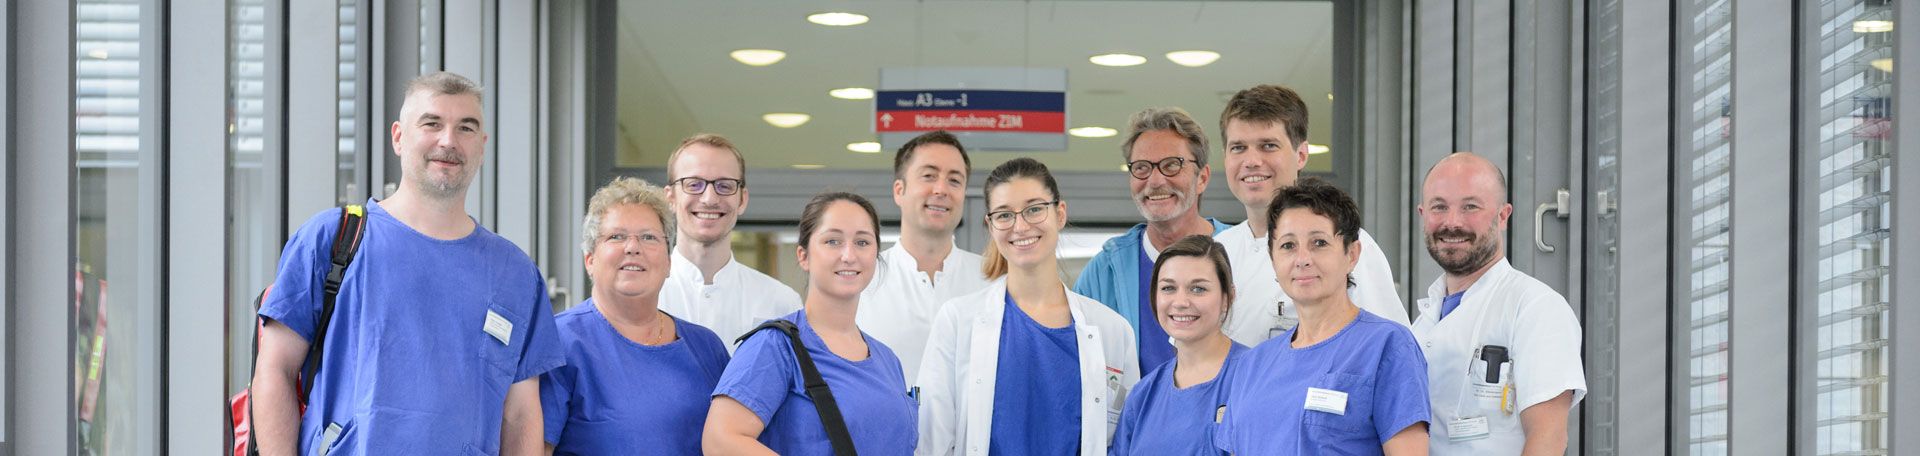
pixel 1559 208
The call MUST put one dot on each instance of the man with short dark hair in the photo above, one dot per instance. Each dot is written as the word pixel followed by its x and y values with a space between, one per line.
pixel 923 269
pixel 441 328
pixel 1265 134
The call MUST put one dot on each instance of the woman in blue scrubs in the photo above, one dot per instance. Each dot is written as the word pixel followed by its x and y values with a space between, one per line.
pixel 1025 366
pixel 1171 411
pixel 761 406
pixel 1344 381
pixel 636 378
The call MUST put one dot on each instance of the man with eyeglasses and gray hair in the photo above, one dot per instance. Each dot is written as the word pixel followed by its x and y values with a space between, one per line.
pixel 1166 156
pixel 707 187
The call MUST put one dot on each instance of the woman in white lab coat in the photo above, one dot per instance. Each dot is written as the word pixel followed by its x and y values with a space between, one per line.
pixel 995 377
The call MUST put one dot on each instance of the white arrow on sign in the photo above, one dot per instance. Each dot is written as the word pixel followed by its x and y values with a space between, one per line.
pixel 886 120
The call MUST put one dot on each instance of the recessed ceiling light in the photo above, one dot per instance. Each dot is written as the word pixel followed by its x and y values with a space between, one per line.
pixel 1885 64
pixel 837 19
pixel 1117 60
pixel 1316 149
pixel 1193 58
pixel 1872 26
pixel 808 166
pixel 868 147
pixel 852 93
pixel 1092 132
pixel 786 119
pixel 758 57
pixel 1329 96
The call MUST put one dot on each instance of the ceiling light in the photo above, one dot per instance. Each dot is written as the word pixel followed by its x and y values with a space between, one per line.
pixel 852 93
pixel 1117 60
pixel 1329 96
pixel 758 57
pixel 1316 149
pixel 868 147
pixel 1193 58
pixel 837 19
pixel 1092 132
pixel 808 166
pixel 1872 26
pixel 786 119
pixel 1885 64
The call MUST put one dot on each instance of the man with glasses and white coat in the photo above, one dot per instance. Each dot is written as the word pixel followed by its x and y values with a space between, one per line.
pixel 1265 134
pixel 707 187
pixel 923 269
pixel 1503 349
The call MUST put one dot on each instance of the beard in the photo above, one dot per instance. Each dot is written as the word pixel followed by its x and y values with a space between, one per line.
pixel 441 185
pixel 1481 249
pixel 1183 203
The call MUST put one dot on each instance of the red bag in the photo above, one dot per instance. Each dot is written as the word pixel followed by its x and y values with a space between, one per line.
pixel 346 243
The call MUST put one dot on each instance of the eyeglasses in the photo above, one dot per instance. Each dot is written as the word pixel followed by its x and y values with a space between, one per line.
pixel 646 239
pixel 1169 167
pixel 722 186
pixel 1002 220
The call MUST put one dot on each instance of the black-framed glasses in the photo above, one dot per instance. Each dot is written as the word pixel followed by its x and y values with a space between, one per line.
pixel 723 186
pixel 1169 167
pixel 1034 214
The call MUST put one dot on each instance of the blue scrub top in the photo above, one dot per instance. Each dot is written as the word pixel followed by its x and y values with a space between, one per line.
pixel 1374 361
pixel 1163 419
pixel 617 396
pixel 1155 349
pixel 409 366
pixel 1036 390
pixel 872 394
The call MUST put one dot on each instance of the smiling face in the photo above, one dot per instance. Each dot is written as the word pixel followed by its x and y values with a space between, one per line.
pixel 1161 197
pixel 629 258
pixel 932 190
pixel 1026 244
pixel 1464 214
pixel 441 142
pixel 1309 259
pixel 708 217
pixel 1189 299
pixel 1261 158
pixel 840 254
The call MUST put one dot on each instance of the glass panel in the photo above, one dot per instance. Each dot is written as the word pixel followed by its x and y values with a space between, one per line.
pixel 1845 218
pixel 1703 202
pixel 254 226
pixel 1603 229
pixel 108 226
pixel 351 101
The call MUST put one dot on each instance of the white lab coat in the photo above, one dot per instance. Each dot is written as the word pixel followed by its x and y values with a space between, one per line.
pixel 1256 315
pixel 897 308
pixel 739 298
pixel 962 361
pixel 1505 308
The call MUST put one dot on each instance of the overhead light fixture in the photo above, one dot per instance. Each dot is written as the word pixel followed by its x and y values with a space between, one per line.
pixel 758 57
pixel 1329 96
pixel 807 166
pixel 1092 132
pixel 868 147
pixel 1885 64
pixel 1316 149
pixel 1872 26
pixel 1117 60
pixel 852 93
pixel 1193 58
pixel 786 119
pixel 837 19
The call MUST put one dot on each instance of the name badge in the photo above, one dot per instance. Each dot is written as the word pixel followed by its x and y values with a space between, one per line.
pixel 499 327
pixel 1464 429
pixel 1326 400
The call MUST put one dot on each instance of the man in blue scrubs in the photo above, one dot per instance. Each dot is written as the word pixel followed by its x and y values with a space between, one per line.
pixel 441 329
pixel 1166 152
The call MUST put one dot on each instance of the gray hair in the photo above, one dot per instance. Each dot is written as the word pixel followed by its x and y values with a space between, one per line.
pixel 445 83
pixel 625 190
pixel 1172 119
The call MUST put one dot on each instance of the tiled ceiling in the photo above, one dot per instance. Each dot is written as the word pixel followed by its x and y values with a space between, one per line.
pixel 675 77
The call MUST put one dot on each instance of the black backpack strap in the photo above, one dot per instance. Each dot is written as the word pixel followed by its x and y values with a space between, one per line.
pixel 816 387
pixel 346 242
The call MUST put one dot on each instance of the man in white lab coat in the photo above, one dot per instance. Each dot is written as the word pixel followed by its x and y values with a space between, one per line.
pixel 1503 349
pixel 707 186
pixel 923 269
pixel 1264 130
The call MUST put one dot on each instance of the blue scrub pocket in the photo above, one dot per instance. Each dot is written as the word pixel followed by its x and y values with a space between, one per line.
pixel 1358 419
pixel 500 359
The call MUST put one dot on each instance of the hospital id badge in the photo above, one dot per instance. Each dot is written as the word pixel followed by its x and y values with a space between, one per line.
pixel 1464 429
pixel 498 327
pixel 1326 400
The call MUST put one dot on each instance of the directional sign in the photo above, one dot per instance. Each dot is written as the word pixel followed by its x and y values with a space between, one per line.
pixel 1010 109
